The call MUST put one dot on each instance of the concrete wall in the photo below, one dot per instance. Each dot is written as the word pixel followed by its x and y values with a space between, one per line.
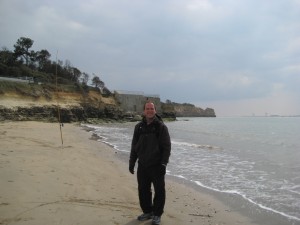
pixel 133 103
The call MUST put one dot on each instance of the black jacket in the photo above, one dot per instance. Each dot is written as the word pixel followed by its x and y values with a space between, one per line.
pixel 151 144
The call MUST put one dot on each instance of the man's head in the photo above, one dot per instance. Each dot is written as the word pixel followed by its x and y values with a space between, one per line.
pixel 149 110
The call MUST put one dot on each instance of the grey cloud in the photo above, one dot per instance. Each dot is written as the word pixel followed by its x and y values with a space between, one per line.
pixel 183 50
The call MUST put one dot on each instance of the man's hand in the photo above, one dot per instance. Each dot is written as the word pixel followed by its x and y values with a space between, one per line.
pixel 131 168
pixel 163 168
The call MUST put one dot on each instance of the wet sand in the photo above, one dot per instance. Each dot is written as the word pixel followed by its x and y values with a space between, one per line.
pixel 84 182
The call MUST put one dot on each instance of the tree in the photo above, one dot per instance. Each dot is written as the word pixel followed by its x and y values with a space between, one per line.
pixel 32 60
pixel 76 73
pixel 71 72
pixel 22 49
pixel 84 78
pixel 43 59
pixel 106 91
pixel 98 83
pixel 68 65
pixel 7 57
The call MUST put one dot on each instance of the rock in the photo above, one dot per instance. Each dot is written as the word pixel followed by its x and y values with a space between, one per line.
pixel 187 110
pixel 50 113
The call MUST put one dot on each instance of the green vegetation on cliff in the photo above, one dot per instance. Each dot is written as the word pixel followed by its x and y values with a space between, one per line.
pixel 52 85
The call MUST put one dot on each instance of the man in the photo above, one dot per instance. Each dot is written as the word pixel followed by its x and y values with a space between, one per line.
pixel 151 145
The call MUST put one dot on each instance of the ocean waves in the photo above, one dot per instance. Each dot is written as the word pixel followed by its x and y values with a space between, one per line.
pixel 239 156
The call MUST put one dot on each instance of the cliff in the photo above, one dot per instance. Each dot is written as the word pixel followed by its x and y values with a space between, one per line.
pixel 41 102
pixel 188 110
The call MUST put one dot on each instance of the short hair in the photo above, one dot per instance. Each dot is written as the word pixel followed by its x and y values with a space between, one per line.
pixel 149 101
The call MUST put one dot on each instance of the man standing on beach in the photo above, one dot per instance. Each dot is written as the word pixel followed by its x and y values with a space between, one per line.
pixel 151 145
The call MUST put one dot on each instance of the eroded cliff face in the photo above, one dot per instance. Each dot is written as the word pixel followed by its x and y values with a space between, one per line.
pixel 49 106
pixel 44 104
pixel 188 110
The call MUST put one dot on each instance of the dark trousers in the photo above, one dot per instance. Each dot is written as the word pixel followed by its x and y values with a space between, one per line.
pixel 152 175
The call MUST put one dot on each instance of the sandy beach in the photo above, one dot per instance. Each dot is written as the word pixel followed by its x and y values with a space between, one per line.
pixel 84 182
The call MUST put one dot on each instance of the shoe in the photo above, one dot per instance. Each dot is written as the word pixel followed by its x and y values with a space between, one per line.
pixel 156 220
pixel 145 216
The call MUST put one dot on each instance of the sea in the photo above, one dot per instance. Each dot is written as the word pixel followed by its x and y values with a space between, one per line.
pixel 254 158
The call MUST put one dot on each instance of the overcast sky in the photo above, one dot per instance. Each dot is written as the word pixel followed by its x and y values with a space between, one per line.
pixel 239 57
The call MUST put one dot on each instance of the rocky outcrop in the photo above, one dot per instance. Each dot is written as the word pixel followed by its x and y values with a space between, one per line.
pixel 69 114
pixel 188 110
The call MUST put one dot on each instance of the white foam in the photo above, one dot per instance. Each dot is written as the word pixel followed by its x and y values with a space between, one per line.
pixel 248 199
pixel 209 147
pixel 238 170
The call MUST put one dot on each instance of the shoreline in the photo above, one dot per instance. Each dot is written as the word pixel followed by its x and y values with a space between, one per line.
pixel 85 182
pixel 235 202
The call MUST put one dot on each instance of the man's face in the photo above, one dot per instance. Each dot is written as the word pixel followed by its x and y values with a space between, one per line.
pixel 149 111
